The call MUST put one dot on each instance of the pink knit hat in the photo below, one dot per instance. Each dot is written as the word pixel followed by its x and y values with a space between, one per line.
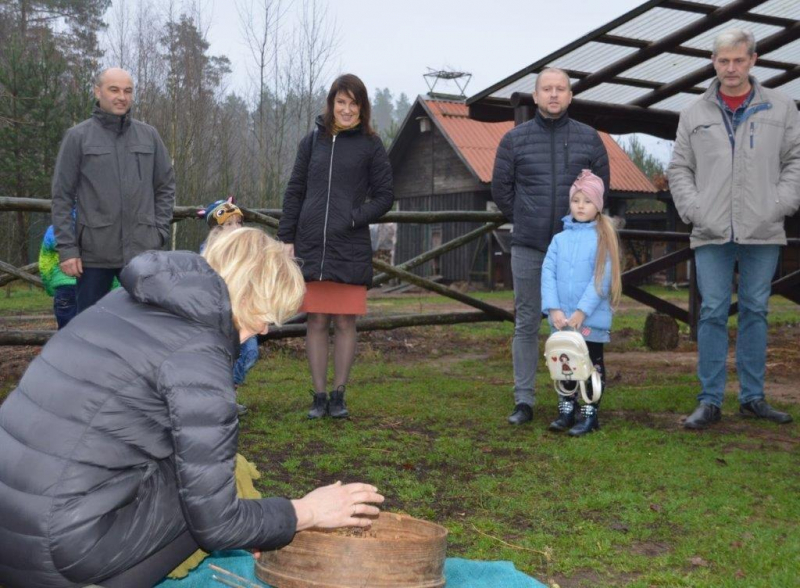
pixel 591 185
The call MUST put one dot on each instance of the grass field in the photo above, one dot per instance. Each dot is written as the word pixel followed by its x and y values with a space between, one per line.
pixel 640 503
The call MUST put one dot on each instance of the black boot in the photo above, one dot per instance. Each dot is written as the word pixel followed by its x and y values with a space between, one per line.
pixel 704 415
pixel 759 409
pixel 589 422
pixel 567 409
pixel 319 408
pixel 337 407
pixel 522 414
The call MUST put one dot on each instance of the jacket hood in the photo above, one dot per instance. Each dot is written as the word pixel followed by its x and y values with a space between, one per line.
pixel 182 283
pixel 571 224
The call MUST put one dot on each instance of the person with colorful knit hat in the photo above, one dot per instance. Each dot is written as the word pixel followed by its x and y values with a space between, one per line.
pixel 222 216
pixel 56 283
pixel 581 284
pixel 222 213
pixel 60 286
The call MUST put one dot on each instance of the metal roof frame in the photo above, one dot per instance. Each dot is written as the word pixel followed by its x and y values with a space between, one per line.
pixel 650 95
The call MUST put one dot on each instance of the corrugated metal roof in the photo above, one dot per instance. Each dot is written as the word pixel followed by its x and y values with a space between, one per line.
pixel 774 24
pixel 477 143
pixel 780 8
pixel 706 39
pixel 656 24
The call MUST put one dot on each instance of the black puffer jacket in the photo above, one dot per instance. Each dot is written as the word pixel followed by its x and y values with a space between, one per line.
pixel 123 433
pixel 339 185
pixel 536 164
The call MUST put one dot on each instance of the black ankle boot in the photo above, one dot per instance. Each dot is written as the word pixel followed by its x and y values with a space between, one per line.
pixel 567 409
pixel 319 408
pixel 589 422
pixel 337 408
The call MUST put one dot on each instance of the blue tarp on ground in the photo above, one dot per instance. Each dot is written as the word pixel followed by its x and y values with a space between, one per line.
pixel 460 573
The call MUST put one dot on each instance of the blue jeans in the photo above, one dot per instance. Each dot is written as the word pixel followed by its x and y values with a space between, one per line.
pixel 248 354
pixel 94 283
pixel 65 305
pixel 715 265
pixel 526 268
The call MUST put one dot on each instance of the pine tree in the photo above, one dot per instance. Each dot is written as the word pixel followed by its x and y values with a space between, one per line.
pixel 645 161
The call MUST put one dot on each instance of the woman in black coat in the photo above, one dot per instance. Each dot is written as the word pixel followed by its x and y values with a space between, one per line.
pixel 119 444
pixel 341 182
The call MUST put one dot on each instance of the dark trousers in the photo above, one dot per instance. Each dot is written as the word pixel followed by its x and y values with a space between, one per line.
pixel 94 283
pixel 150 571
pixel 65 305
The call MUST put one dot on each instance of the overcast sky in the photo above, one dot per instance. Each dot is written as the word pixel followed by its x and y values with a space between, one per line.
pixel 392 43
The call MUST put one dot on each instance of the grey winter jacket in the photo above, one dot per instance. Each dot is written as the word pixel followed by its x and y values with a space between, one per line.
pixel 740 191
pixel 536 164
pixel 122 434
pixel 118 173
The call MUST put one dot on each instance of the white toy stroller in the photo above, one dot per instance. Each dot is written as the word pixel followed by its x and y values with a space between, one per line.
pixel 567 357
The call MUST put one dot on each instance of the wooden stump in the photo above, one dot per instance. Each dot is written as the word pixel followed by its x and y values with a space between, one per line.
pixel 398 551
pixel 660 332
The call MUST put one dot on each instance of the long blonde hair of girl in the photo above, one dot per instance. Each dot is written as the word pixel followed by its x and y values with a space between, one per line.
pixel 608 251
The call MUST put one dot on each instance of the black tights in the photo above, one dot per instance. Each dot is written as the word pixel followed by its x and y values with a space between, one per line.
pixel 344 348
pixel 596 357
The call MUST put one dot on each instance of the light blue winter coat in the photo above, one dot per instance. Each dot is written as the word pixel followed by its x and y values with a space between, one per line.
pixel 568 275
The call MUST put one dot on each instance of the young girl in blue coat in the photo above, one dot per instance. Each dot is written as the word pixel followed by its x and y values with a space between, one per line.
pixel 581 284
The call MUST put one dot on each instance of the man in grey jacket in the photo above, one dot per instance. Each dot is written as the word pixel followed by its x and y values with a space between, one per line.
pixel 116 171
pixel 735 176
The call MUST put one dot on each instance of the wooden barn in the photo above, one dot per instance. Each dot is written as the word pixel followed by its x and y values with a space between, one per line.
pixel 443 160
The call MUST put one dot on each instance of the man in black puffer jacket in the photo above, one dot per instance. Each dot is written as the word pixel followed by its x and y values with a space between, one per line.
pixel 536 164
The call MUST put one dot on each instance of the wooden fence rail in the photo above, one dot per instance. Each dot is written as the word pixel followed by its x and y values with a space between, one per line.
pixel 788 286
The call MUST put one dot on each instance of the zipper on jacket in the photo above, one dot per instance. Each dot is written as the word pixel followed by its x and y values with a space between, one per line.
pixel 752 130
pixel 327 209
pixel 139 167
pixel 554 180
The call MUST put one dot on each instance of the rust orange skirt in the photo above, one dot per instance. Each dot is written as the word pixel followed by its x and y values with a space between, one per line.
pixel 334 298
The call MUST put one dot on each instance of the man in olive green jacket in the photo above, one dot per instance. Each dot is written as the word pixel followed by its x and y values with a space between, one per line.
pixel 116 171
pixel 735 176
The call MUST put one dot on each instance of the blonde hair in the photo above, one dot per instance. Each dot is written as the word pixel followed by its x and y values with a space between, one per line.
pixel 264 283
pixel 608 250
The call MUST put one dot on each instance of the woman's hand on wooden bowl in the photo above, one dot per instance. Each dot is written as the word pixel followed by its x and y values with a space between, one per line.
pixel 337 505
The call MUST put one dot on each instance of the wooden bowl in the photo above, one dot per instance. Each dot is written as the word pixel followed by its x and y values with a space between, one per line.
pixel 398 551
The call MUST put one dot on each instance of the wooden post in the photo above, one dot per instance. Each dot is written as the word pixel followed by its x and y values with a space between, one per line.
pixel 444 248
pixel 22 275
pixel 31 268
pixel 379 323
pixel 443 290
